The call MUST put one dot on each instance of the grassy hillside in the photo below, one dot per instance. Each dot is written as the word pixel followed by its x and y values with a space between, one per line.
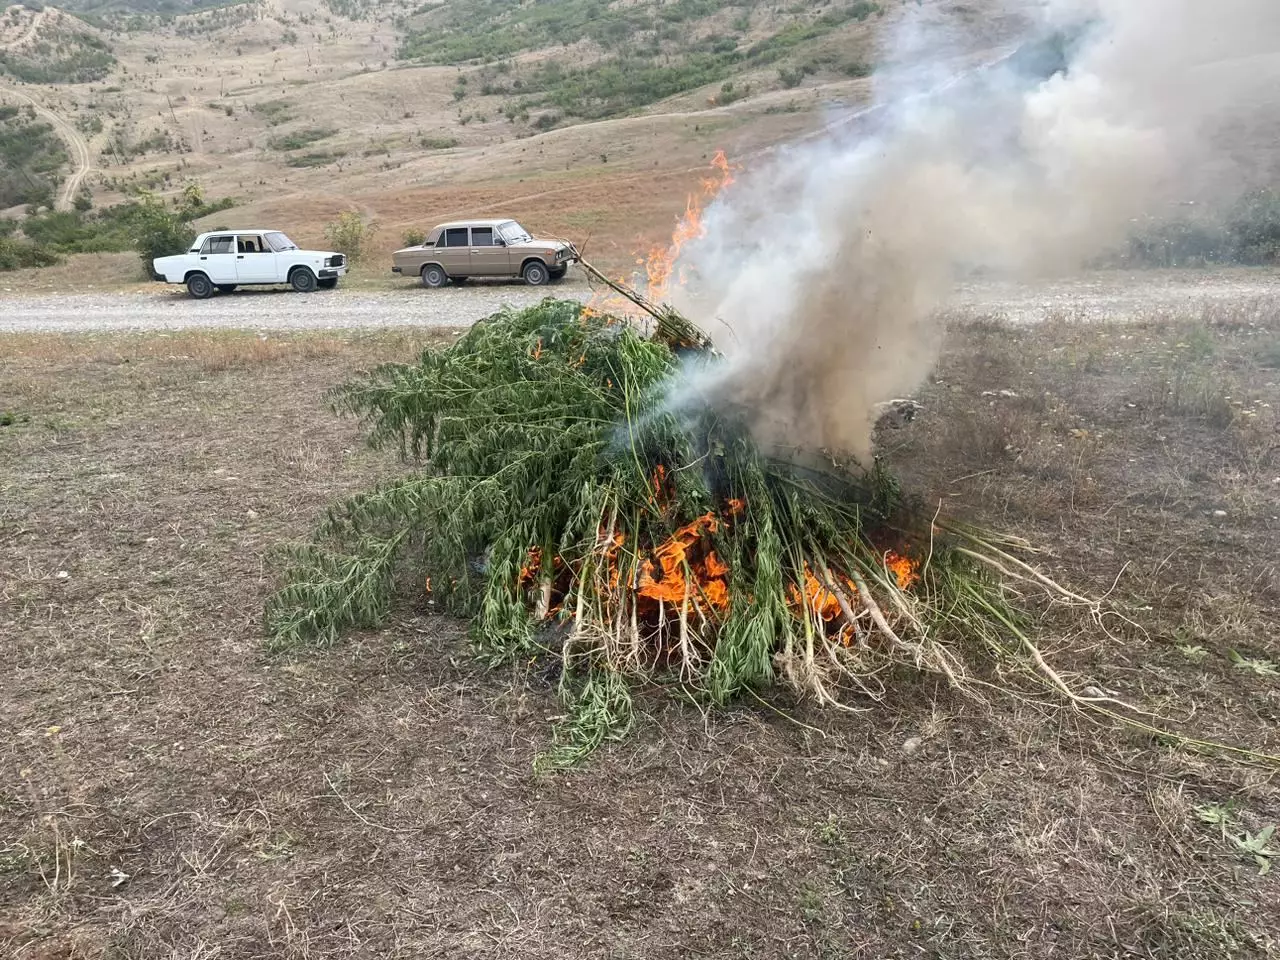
pixel 62 52
pixel 161 7
pixel 608 59
pixel 32 158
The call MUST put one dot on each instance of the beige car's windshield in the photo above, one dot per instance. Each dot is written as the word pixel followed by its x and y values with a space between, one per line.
pixel 512 232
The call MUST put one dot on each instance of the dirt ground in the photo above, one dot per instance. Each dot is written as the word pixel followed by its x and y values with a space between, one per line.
pixel 169 790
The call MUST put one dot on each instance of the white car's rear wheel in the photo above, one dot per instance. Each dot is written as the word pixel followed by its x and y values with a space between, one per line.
pixel 199 286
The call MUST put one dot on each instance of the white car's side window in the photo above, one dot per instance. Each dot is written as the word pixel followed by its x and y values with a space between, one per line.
pixel 216 245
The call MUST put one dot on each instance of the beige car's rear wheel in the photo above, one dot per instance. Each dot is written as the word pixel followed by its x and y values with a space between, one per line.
pixel 433 275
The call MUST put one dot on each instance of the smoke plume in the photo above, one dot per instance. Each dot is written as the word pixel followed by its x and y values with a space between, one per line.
pixel 822 271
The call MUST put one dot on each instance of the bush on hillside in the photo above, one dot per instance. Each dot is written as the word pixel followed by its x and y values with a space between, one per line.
pixel 1253 226
pixel 350 235
pixel 146 225
pixel 1246 233
pixel 16 254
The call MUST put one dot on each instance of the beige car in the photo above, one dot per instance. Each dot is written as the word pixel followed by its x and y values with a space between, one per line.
pixel 484 248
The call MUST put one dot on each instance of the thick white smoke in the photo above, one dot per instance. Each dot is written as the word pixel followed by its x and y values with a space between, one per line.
pixel 822 270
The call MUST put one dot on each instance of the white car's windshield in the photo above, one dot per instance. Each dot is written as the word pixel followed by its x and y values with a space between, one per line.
pixel 280 243
pixel 512 232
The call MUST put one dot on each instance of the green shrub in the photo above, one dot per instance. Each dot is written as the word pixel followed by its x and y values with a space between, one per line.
pixel 16 254
pixel 300 138
pixel 146 225
pixel 159 232
pixel 1253 226
pixel 275 112
pixel 32 157
pixel 791 77
pixel 732 93
pixel 317 158
pixel 350 234
pixel 414 238
pixel 1248 233
pixel 1179 243
pixel 438 143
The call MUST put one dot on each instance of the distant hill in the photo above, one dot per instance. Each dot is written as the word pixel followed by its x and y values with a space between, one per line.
pixel 62 50
pixel 161 8
pixel 592 59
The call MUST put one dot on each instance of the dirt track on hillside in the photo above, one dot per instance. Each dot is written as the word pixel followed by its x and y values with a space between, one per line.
pixel 81 156
pixel 29 32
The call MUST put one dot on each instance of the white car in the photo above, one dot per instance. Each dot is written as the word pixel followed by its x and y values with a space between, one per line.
pixel 226 259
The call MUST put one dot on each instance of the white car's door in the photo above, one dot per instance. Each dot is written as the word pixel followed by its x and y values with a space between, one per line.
pixel 217 258
pixel 255 260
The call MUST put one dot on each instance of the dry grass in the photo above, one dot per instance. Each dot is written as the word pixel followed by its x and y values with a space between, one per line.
pixel 218 350
pixel 80 273
pixel 174 793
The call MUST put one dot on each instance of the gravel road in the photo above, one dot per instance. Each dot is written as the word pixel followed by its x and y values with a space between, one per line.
pixel 1110 295
pixel 1124 295
pixel 169 308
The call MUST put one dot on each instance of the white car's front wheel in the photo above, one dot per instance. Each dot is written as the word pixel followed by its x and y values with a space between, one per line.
pixel 302 280
pixel 199 286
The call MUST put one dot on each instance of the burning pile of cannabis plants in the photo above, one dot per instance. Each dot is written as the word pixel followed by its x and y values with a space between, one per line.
pixel 563 505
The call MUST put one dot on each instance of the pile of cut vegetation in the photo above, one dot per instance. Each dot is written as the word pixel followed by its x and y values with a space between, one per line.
pixel 563 505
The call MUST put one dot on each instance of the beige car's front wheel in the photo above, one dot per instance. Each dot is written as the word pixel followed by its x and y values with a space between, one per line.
pixel 535 273
pixel 433 275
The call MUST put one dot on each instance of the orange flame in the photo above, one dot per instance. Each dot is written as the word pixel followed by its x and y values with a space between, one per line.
pixel 714 566
pixel 661 260
pixel 673 557
pixel 815 595
pixel 658 486
pixel 905 570
pixel 685 573
pixel 659 263
pixel 531 565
